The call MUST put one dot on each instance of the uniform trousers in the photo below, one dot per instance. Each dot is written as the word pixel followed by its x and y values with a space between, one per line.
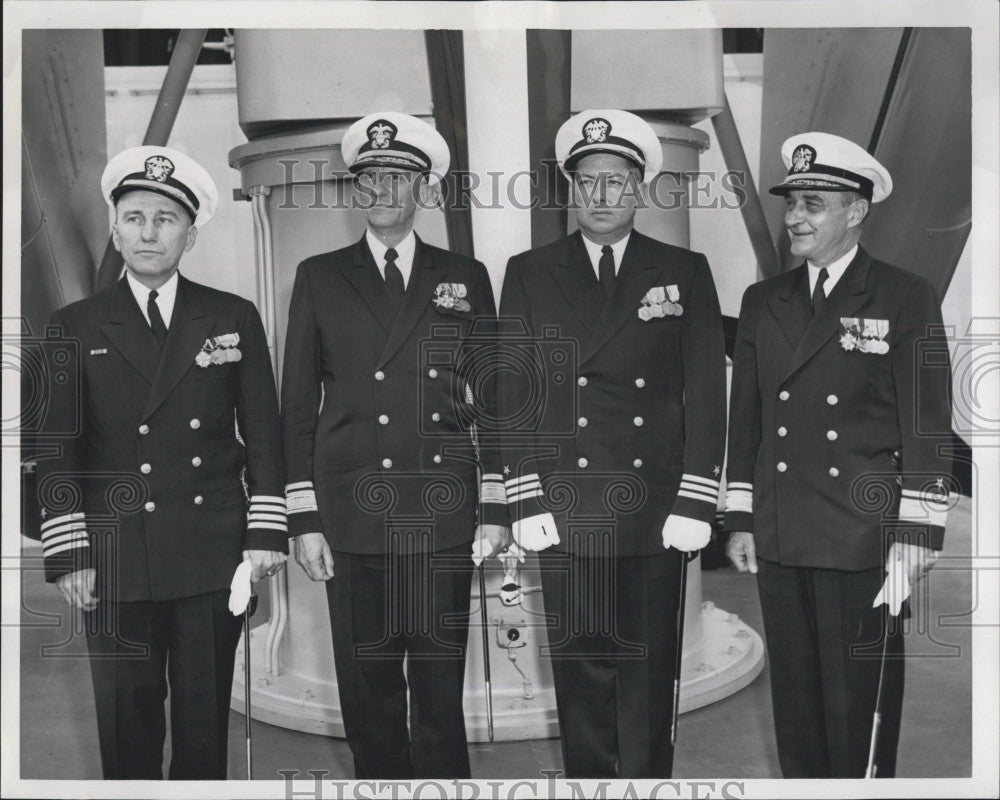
pixel 824 642
pixel 384 609
pixel 612 645
pixel 135 649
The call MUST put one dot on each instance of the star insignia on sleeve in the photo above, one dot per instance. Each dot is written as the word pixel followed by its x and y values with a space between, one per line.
pixel 939 485
pixel 44 513
pixel 717 470
pixel 506 470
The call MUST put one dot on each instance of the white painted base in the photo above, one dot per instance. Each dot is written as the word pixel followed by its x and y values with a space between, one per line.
pixel 731 655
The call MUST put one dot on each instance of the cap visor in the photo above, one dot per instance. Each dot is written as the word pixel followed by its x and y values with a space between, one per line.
pixel 120 191
pixel 817 186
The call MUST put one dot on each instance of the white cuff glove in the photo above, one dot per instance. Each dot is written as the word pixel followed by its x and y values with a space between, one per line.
pixel 490 540
pixel 239 589
pixel 685 534
pixel 536 533
pixel 481 550
pixel 896 587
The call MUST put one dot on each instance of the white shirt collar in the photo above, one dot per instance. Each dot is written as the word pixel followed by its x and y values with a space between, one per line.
pixel 835 270
pixel 405 251
pixel 166 295
pixel 594 251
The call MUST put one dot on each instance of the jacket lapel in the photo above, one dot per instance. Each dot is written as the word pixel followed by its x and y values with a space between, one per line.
pixel 574 275
pixel 367 281
pixel 189 327
pixel 635 276
pixel 847 298
pixel 791 306
pixel 424 278
pixel 129 332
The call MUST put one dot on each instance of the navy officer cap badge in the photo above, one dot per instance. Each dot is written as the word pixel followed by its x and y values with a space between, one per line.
pixel 380 135
pixel 159 168
pixel 803 157
pixel 596 130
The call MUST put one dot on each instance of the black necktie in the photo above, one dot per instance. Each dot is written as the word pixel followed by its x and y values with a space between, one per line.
pixel 393 277
pixel 819 296
pixel 156 319
pixel 606 270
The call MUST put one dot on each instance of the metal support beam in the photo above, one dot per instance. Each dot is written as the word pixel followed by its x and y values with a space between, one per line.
pixel 731 145
pixel 549 60
pixel 446 64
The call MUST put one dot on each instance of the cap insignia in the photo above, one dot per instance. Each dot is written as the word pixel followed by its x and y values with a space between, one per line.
pixel 596 130
pixel 159 168
pixel 803 158
pixel 381 133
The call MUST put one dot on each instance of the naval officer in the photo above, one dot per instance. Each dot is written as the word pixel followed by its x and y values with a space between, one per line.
pixel 840 398
pixel 386 374
pixel 169 474
pixel 616 479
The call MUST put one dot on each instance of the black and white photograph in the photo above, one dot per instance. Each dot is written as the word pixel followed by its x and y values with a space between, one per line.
pixel 501 399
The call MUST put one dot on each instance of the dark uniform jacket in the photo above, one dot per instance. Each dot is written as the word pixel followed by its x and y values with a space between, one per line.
pixel 833 436
pixel 162 463
pixel 627 414
pixel 378 403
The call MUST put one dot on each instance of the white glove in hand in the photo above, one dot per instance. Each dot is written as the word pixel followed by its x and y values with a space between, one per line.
pixel 239 589
pixel 481 550
pixel 536 533
pixel 685 534
pixel 490 539
pixel 896 587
